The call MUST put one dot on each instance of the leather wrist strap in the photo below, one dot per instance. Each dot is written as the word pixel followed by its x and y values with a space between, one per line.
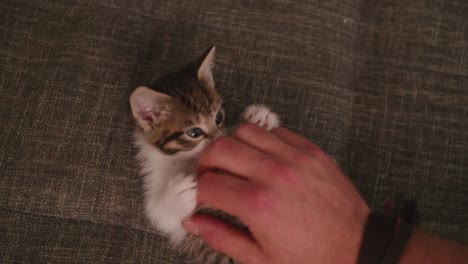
pixel 384 240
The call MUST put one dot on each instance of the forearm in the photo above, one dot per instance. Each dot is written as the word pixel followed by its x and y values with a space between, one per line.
pixel 425 248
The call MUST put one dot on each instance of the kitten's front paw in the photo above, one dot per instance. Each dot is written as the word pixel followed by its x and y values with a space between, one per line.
pixel 260 115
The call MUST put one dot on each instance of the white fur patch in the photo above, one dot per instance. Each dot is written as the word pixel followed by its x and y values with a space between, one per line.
pixel 170 207
pixel 170 186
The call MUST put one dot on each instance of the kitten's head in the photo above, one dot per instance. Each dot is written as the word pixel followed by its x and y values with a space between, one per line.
pixel 182 111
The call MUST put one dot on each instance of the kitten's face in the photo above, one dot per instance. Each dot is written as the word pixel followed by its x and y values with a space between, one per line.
pixel 184 129
pixel 182 112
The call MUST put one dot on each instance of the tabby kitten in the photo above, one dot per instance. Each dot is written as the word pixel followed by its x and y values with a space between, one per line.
pixel 177 118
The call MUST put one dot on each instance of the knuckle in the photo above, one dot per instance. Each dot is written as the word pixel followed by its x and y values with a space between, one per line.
pixel 318 154
pixel 218 144
pixel 260 200
pixel 271 163
pixel 245 129
pixel 283 171
pixel 302 159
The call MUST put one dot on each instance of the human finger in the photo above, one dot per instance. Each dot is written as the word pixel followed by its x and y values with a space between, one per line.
pixel 296 141
pixel 227 193
pixel 224 238
pixel 230 155
pixel 265 141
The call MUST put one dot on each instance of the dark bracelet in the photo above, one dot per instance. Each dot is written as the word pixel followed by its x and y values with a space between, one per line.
pixel 384 240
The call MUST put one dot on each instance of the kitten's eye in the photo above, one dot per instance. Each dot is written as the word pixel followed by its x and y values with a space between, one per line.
pixel 194 132
pixel 219 118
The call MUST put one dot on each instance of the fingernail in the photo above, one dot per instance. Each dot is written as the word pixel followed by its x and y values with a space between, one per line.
pixel 190 227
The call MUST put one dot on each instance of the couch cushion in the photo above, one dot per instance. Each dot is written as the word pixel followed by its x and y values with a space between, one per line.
pixel 381 86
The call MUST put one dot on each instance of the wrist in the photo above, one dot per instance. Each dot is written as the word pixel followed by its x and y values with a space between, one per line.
pixel 425 248
pixel 414 251
pixel 354 239
pixel 384 239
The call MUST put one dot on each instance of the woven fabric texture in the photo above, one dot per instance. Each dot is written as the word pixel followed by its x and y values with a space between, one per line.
pixel 382 86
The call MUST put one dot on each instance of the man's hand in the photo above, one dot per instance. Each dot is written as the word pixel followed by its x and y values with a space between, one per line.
pixel 299 207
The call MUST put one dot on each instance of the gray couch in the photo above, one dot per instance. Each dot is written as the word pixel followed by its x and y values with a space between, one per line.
pixel 382 86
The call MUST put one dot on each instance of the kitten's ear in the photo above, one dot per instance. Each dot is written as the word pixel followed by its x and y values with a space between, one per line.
pixel 149 107
pixel 205 64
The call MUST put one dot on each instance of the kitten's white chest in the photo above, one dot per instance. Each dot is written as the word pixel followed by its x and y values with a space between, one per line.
pixel 170 188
